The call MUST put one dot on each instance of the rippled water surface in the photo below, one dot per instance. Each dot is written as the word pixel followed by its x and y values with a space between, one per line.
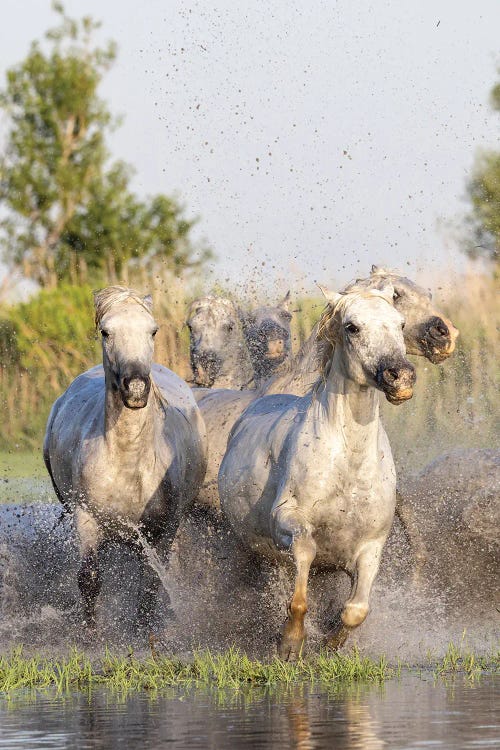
pixel 414 712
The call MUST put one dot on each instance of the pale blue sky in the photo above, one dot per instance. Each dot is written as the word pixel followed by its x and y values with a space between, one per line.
pixel 313 137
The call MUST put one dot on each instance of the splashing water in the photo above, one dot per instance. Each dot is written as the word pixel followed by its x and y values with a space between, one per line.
pixel 222 595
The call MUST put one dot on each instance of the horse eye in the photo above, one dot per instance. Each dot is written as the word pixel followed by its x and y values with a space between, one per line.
pixel 104 333
pixel 351 328
pixel 403 324
pixel 153 333
pixel 396 296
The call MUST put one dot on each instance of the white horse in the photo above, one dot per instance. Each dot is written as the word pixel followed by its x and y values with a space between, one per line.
pixel 313 476
pixel 125 445
pixel 427 333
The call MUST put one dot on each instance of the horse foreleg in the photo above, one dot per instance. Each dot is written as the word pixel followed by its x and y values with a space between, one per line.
pixel 294 634
pixel 148 596
pixel 406 515
pixel 356 607
pixel 89 580
pixel 155 550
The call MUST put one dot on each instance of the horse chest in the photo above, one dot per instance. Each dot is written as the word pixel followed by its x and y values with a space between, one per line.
pixel 346 500
pixel 122 488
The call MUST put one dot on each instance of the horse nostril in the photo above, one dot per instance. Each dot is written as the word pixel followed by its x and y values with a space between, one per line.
pixel 439 330
pixel 135 385
pixel 391 374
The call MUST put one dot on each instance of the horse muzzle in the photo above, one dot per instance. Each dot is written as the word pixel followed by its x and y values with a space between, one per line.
pixel 269 341
pixel 134 390
pixel 396 381
pixel 206 366
pixel 276 349
pixel 438 340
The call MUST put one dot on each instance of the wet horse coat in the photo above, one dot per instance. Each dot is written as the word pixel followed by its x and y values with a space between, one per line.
pixel 125 445
pixel 314 476
pixel 222 407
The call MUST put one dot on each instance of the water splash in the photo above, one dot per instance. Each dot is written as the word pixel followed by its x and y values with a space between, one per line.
pixel 222 595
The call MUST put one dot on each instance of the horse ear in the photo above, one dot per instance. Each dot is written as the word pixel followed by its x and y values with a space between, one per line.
pixel 331 297
pixel 148 302
pixel 285 302
pixel 380 271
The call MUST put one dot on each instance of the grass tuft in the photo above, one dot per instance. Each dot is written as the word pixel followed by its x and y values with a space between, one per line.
pixel 230 669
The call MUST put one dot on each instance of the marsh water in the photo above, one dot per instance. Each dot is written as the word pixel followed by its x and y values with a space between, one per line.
pixel 412 621
pixel 416 711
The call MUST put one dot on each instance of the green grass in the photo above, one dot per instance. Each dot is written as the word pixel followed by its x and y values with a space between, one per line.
pixel 231 669
pixel 21 464
pixel 24 478
pixel 462 659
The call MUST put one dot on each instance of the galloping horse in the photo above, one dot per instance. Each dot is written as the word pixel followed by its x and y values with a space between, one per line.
pixel 125 445
pixel 427 333
pixel 313 477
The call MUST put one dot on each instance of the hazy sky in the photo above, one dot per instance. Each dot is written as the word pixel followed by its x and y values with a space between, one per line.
pixel 311 138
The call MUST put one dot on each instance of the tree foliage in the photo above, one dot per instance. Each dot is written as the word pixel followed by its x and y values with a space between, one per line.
pixel 484 193
pixel 68 214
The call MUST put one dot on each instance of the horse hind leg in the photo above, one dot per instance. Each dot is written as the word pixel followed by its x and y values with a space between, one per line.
pixel 356 607
pixel 89 579
pixel 292 640
pixel 408 520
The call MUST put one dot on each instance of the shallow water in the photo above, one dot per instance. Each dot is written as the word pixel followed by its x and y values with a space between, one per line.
pixel 413 712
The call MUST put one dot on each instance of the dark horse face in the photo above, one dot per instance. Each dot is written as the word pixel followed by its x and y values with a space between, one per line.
pixel 215 338
pixel 428 332
pixel 267 335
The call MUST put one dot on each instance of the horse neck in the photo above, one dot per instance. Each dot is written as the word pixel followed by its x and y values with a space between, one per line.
pixel 128 430
pixel 347 409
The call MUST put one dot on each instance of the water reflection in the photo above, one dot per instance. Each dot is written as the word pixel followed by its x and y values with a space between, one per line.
pixel 410 713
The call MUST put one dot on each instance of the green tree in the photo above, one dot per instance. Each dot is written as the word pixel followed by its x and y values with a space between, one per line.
pixel 484 193
pixel 68 213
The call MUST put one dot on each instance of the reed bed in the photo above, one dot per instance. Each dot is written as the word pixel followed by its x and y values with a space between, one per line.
pixel 231 669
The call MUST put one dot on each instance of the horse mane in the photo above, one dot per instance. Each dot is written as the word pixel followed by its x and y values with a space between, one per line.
pixel 105 299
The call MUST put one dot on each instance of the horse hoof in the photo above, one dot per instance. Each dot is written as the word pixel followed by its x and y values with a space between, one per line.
pixel 291 650
pixel 337 637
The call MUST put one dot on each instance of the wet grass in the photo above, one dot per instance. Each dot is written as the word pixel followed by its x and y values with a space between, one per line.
pixel 461 659
pixel 230 669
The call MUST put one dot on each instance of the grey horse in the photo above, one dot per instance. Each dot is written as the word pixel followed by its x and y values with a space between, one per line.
pixel 267 336
pixel 125 445
pixel 232 348
pixel 313 477
pixel 218 352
